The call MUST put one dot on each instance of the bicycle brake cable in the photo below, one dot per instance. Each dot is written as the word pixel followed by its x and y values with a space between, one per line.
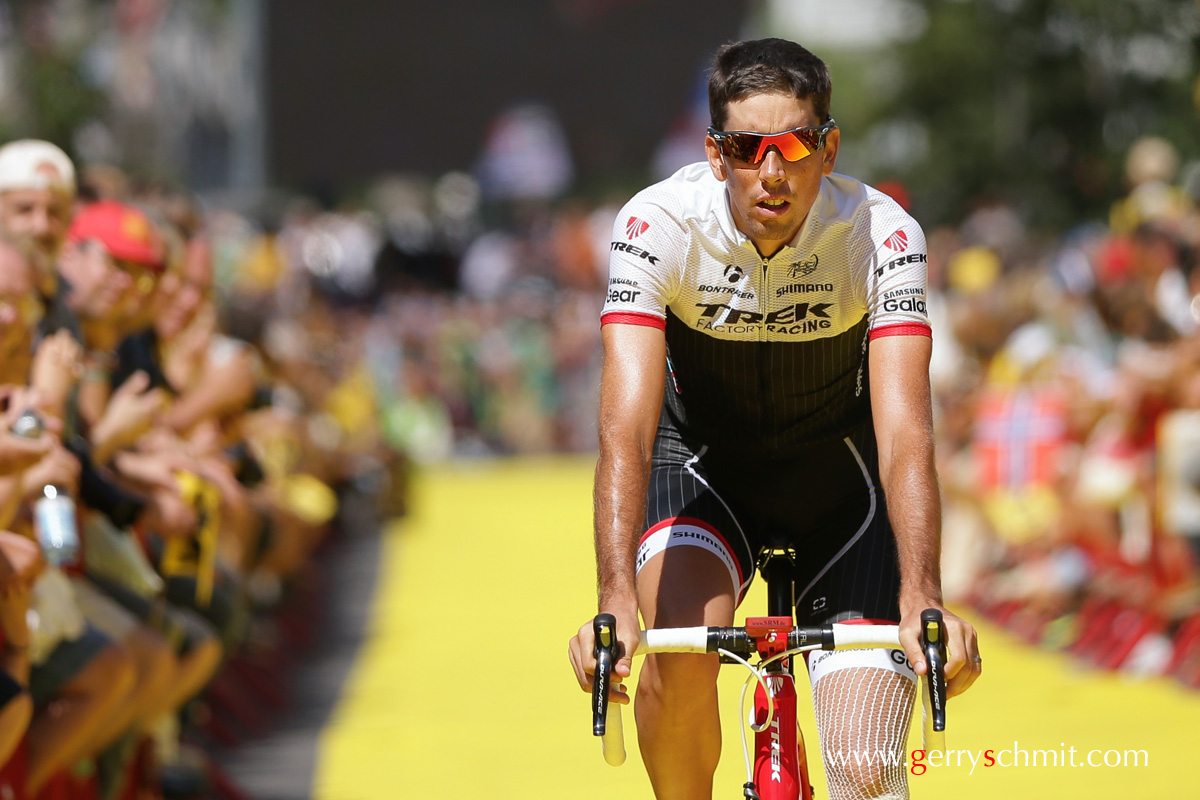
pixel 757 675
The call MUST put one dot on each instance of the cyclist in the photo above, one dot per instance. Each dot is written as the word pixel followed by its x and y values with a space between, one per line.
pixel 765 383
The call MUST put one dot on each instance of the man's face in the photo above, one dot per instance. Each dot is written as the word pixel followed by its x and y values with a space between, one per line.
pixel 770 201
pixel 37 217
pixel 100 290
pixel 181 293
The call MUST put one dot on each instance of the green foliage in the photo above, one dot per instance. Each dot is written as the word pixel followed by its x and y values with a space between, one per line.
pixel 59 98
pixel 1035 102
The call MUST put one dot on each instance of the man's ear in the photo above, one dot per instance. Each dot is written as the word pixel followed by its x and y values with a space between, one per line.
pixel 830 151
pixel 715 162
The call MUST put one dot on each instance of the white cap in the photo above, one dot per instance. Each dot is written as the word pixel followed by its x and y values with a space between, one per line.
pixel 35 164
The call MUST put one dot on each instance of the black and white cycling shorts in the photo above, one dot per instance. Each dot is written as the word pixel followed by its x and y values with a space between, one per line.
pixel 825 503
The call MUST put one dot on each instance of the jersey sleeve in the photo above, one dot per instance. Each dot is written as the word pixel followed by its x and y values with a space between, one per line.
pixel 897 273
pixel 646 244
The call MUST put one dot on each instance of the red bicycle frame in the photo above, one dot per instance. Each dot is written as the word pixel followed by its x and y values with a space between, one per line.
pixel 780 767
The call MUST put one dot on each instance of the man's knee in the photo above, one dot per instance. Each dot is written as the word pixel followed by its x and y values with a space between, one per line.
pixel 679 680
pixel 866 776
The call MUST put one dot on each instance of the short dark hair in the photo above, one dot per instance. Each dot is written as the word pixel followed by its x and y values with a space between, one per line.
pixel 751 67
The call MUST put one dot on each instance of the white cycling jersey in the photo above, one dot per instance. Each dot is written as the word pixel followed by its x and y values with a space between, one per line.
pixel 774 348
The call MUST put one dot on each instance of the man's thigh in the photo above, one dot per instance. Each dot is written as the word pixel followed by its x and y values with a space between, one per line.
pixel 685 586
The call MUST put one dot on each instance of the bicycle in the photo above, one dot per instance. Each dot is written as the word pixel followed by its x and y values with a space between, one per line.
pixel 779 770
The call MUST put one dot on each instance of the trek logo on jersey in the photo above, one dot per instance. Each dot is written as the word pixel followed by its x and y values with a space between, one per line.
pixel 793 318
pixel 898 242
pixel 799 269
pixel 911 258
pixel 621 247
pixel 635 228
pixel 803 288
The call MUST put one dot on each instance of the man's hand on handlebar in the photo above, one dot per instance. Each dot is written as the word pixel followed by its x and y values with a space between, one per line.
pixel 963 665
pixel 583 646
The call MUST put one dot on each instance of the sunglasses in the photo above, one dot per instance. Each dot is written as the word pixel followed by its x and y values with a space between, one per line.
pixel 793 145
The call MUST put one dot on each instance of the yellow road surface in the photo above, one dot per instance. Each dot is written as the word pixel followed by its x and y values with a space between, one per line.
pixel 463 689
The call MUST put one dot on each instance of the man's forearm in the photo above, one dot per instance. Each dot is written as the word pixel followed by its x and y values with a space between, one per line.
pixel 914 508
pixel 619 503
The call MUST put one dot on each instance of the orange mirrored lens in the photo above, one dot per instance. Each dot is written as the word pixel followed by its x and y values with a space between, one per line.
pixel 793 145
pixel 790 145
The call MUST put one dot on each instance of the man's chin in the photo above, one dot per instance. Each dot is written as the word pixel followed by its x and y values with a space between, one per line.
pixel 778 229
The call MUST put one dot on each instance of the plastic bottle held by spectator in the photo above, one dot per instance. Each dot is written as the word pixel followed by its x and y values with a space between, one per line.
pixel 54 511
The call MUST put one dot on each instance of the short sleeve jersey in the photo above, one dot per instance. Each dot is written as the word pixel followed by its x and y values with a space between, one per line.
pixel 766 356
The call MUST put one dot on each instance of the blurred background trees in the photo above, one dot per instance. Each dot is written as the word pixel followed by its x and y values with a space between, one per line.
pixel 1030 103
pixel 1034 102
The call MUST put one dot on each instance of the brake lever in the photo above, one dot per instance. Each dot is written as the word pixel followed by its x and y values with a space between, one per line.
pixel 933 644
pixel 604 626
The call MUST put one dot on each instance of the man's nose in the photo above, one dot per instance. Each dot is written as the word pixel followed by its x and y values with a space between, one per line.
pixel 771 170
pixel 42 222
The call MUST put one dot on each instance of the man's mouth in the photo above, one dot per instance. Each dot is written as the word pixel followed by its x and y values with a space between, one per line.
pixel 774 205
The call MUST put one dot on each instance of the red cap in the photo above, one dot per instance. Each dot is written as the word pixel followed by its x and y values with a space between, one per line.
pixel 124 231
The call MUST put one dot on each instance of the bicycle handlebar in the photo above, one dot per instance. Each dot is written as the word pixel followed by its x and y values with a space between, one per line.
pixel 606 718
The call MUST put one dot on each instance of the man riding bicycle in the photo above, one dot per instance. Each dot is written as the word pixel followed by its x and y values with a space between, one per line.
pixel 765 385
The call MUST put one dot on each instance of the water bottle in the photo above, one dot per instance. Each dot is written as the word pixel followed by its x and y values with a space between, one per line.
pixel 54 511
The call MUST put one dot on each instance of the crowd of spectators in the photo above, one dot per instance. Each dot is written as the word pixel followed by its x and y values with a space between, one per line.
pixel 169 464
pixel 1066 380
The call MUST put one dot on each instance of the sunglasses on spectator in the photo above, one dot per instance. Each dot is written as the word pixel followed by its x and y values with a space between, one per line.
pixel 794 145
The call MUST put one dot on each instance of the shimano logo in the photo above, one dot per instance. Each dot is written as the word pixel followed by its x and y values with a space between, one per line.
pixel 803 288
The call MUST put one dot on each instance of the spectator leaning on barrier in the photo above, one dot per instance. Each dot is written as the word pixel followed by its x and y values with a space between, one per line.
pixel 78 676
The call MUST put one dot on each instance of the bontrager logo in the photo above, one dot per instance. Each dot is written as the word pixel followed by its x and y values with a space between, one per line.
pixel 733 273
pixel 636 227
pixel 898 241
pixel 733 290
